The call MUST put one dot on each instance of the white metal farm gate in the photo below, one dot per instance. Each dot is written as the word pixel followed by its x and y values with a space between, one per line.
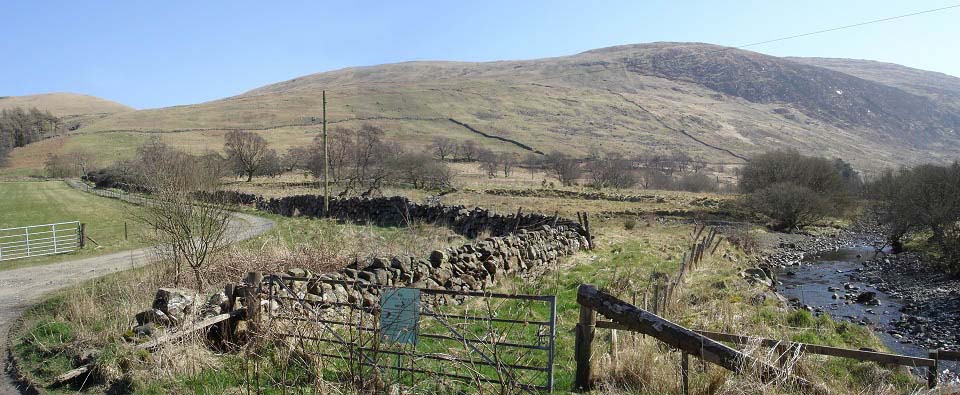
pixel 38 240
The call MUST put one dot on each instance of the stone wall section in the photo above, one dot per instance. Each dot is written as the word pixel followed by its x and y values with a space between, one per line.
pixel 515 246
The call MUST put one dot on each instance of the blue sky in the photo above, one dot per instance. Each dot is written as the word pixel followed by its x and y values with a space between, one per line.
pixel 161 53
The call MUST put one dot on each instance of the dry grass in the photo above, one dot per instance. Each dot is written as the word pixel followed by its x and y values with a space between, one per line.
pixel 713 297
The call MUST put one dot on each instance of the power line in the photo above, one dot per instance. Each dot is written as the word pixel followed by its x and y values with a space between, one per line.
pixel 850 26
pixel 676 59
pixel 725 49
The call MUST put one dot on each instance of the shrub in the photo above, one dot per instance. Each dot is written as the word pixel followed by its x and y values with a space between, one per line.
pixel 922 199
pixel 697 182
pixel 423 171
pixel 795 190
pixel 791 206
pixel 630 223
pixel 817 174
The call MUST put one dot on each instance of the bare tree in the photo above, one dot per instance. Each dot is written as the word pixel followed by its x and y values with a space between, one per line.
pixel 507 163
pixel 443 147
pixel 489 162
pixel 71 164
pixel 565 168
pixel 697 164
pixel 247 151
pixel 612 170
pixel 468 150
pixel 188 232
pixel 422 170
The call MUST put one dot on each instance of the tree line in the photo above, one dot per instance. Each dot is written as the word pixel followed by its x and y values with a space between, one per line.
pixel 20 126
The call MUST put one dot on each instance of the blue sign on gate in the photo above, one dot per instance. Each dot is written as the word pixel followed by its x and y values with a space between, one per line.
pixel 400 315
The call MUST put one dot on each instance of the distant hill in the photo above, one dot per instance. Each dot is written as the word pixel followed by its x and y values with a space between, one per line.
pixel 937 86
pixel 721 103
pixel 65 104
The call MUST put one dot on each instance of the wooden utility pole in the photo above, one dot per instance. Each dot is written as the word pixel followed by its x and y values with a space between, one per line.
pixel 326 160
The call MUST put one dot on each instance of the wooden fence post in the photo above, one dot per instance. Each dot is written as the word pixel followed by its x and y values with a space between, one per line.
pixel 684 373
pixel 83 235
pixel 228 327
pixel 585 331
pixel 933 371
pixel 586 221
pixel 614 348
pixel 252 300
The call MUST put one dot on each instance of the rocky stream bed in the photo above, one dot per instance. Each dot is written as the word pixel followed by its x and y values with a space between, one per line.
pixel 911 305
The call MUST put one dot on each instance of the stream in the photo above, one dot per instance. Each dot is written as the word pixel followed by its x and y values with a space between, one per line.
pixel 829 283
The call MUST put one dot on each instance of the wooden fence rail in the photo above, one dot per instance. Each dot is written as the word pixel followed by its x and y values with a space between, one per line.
pixel 706 345
pixel 628 317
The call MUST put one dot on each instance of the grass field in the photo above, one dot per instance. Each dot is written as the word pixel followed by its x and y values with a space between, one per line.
pixel 713 298
pixel 35 203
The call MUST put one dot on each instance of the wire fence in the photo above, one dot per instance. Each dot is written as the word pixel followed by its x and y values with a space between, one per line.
pixel 39 240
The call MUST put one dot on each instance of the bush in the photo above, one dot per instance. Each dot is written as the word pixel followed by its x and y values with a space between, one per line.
pixel 630 223
pixel 795 190
pixel 923 199
pixel 791 206
pixel 423 171
pixel 817 174
pixel 697 182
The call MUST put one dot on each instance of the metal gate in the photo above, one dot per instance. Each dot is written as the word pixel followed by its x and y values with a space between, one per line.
pixel 38 240
pixel 419 339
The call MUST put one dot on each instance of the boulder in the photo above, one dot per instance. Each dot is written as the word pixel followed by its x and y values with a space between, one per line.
pixel 438 257
pixel 867 298
pixel 153 316
pixel 757 275
pixel 178 304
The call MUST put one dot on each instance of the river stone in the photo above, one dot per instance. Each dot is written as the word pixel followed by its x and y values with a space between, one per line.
pixel 867 298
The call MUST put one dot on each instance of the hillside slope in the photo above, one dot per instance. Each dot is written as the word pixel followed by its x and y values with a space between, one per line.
pixel 65 104
pixel 707 100
pixel 937 86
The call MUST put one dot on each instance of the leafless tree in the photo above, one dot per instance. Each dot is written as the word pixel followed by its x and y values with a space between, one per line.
pixel 443 147
pixel 71 164
pixel 612 170
pixel 468 150
pixel 507 163
pixel 697 164
pixel 489 162
pixel 247 151
pixel 422 171
pixel 188 233
pixel 565 168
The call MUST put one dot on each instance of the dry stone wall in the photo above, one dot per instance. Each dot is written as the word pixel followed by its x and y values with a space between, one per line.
pixel 516 245
pixel 400 211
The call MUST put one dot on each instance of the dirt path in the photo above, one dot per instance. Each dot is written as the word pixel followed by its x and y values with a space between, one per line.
pixel 19 288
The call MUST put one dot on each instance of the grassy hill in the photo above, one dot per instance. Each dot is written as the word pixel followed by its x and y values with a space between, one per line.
pixel 707 100
pixel 65 104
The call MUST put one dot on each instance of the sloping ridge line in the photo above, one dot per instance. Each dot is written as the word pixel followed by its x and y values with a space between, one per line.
pixel 683 132
pixel 490 136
